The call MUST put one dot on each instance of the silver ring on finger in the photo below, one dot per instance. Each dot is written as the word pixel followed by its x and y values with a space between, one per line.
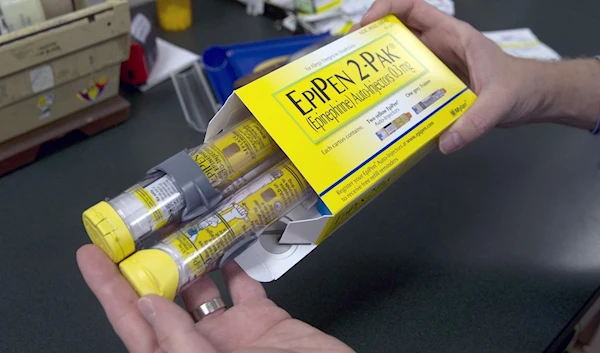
pixel 207 308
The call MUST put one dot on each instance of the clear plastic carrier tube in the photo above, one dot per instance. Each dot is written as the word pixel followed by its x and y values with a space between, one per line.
pixel 182 188
pixel 210 241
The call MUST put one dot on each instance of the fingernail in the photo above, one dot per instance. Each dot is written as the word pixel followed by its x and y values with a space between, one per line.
pixel 147 309
pixel 450 142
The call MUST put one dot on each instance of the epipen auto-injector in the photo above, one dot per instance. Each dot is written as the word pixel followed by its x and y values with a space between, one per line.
pixel 208 242
pixel 182 188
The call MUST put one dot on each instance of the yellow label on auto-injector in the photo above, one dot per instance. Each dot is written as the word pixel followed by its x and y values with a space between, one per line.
pixel 326 100
pixel 255 207
pixel 234 153
pixel 151 205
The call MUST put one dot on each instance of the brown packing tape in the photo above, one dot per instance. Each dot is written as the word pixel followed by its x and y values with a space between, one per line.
pixel 56 8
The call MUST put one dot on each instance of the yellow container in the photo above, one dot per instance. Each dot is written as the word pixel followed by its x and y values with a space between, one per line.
pixel 174 15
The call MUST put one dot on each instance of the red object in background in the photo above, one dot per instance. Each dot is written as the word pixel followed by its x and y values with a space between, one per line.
pixel 135 71
pixel 142 56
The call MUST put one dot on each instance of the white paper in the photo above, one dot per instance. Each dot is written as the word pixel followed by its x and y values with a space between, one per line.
pixel 523 43
pixel 355 7
pixel 170 58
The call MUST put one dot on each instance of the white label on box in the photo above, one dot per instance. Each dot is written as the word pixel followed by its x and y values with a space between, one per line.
pixel 22 13
pixel 41 78
pixel 140 28
pixel 44 103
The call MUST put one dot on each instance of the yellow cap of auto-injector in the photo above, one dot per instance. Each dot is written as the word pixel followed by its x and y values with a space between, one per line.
pixel 107 230
pixel 151 271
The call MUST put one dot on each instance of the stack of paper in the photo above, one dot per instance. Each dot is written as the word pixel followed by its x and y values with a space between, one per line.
pixel 336 20
pixel 521 42
pixel 341 18
pixel 354 10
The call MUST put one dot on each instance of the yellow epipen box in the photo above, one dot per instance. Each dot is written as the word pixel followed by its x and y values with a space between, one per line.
pixel 351 117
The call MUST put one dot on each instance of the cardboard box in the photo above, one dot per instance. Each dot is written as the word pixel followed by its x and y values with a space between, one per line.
pixel 352 117
pixel 53 73
pixel 50 105
pixel 42 62
pixel 63 35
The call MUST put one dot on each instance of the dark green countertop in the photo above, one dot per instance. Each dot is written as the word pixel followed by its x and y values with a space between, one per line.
pixel 494 249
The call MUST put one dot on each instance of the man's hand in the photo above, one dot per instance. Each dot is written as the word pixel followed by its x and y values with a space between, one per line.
pixel 153 324
pixel 510 91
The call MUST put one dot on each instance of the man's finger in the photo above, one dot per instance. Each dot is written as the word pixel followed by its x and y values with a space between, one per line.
pixel 241 286
pixel 199 292
pixel 354 28
pixel 117 298
pixel 174 328
pixel 416 14
pixel 489 108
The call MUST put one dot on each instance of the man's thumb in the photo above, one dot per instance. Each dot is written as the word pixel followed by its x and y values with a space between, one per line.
pixel 479 119
pixel 174 328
